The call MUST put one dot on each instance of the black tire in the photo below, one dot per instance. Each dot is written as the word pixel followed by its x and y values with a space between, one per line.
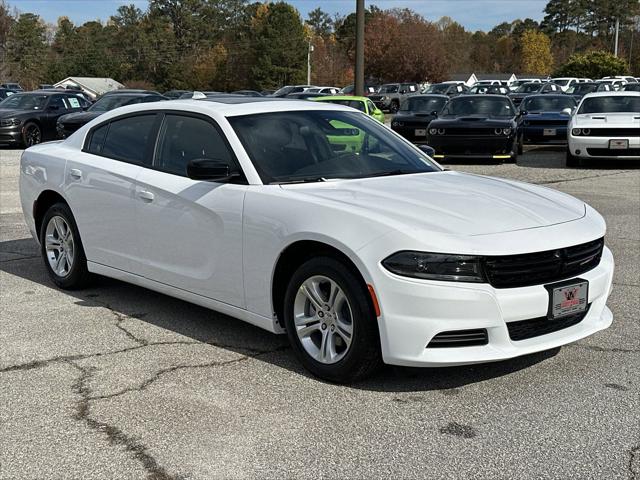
pixel 31 134
pixel 521 146
pixel 78 275
pixel 394 107
pixel 572 161
pixel 363 356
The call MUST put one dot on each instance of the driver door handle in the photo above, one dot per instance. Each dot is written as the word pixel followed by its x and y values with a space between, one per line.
pixel 146 195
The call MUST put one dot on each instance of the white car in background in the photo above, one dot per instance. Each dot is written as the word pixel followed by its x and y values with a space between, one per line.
pixel 615 83
pixel 317 221
pixel 565 83
pixel 605 125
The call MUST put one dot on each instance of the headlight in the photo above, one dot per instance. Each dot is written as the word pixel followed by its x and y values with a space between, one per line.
pixel 435 266
pixel 385 98
pixel 433 131
pixel 9 122
pixel 576 132
pixel 586 131
pixel 441 131
pixel 506 131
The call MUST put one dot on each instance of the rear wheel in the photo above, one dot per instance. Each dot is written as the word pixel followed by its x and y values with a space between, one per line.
pixel 573 161
pixel 62 250
pixel 330 321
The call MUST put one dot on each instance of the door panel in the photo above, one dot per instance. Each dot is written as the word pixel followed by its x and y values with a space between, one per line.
pixel 100 192
pixel 191 234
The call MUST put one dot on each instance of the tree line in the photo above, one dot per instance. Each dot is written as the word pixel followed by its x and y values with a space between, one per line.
pixel 233 44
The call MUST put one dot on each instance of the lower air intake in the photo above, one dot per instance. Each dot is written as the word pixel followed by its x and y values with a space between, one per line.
pixel 460 338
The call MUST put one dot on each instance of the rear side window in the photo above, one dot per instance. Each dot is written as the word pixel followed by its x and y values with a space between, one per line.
pixel 97 140
pixel 185 138
pixel 128 139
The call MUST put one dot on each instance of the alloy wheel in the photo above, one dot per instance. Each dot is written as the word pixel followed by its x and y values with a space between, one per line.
pixel 32 135
pixel 59 246
pixel 323 319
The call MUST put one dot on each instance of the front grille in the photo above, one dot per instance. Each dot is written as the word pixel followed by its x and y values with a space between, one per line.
pixel 460 338
pixel 523 270
pixel 525 329
pixel 562 123
pixel 607 152
pixel 613 132
pixel 481 132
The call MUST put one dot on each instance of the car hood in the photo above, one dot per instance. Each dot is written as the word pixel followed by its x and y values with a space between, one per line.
pixel 473 121
pixel 446 202
pixel 12 113
pixel 630 119
pixel 78 118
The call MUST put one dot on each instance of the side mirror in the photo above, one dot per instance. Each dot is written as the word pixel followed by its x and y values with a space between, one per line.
pixel 567 111
pixel 208 169
pixel 427 149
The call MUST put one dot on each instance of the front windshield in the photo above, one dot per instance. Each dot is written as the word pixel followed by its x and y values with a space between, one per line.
pixel 424 104
pixel 388 89
pixel 528 88
pixel 478 105
pixel 317 145
pixel 612 104
pixel 112 101
pixel 357 104
pixel 438 88
pixel 24 101
pixel 582 88
pixel 283 91
pixel 479 89
pixel 547 103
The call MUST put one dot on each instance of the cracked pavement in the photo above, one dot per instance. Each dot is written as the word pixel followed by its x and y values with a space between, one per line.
pixel 120 382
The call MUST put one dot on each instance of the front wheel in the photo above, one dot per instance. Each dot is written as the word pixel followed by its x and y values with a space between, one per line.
pixel 31 134
pixel 330 321
pixel 62 250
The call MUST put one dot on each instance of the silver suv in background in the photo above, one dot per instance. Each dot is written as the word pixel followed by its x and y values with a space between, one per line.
pixel 391 95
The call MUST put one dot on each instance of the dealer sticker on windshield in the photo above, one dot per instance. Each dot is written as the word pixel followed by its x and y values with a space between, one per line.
pixel 568 299
pixel 619 144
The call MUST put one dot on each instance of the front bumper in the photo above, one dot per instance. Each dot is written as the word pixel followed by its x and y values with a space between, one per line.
pixel 539 134
pixel 11 135
pixel 598 147
pixel 491 147
pixel 415 311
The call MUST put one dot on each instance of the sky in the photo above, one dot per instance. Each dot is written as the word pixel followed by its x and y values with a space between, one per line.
pixel 473 14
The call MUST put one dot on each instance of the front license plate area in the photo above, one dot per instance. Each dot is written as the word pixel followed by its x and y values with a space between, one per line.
pixel 549 132
pixel 567 298
pixel 421 132
pixel 618 144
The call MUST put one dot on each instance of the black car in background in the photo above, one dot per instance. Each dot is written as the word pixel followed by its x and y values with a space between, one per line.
pixel 30 118
pixel 286 90
pixel 174 94
pixel 11 86
pixel 415 114
pixel 449 89
pixel 306 95
pixel 579 90
pixel 631 87
pixel 5 92
pixel 67 124
pixel 533 88
pixel 476 126
pixel 545 118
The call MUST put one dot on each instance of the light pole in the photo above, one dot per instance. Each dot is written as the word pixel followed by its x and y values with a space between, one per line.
pixel 615 48
pixel 309 51
pixel 359 80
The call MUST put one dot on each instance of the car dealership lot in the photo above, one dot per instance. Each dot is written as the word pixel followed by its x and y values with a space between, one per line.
pixel 121 382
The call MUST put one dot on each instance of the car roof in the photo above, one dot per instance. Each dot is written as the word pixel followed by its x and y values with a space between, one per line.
pixel 342 97
pixel 612 94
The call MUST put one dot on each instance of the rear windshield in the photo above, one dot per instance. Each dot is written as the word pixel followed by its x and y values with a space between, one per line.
pixel 612 104
pixel 388 89
pixel 438 88
pixel 528 88
pixel 25 101
pixel 582 88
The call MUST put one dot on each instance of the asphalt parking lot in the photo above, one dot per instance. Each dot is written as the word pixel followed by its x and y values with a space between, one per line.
pixel 121 382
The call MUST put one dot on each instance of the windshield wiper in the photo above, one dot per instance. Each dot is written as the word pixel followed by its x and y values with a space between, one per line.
pixel 390 173
pixel 300 180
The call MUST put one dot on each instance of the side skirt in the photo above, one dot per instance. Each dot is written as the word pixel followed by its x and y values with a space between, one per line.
pixel 265 323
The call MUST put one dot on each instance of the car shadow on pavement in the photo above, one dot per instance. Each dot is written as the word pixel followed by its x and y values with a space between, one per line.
pixel 165 317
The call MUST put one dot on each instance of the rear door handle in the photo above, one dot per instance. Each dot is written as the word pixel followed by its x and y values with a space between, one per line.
pixel 146 195
pixel 75 173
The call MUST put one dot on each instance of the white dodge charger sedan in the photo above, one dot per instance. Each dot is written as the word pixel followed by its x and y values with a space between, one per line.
pixel 314 220
pixel 605 125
